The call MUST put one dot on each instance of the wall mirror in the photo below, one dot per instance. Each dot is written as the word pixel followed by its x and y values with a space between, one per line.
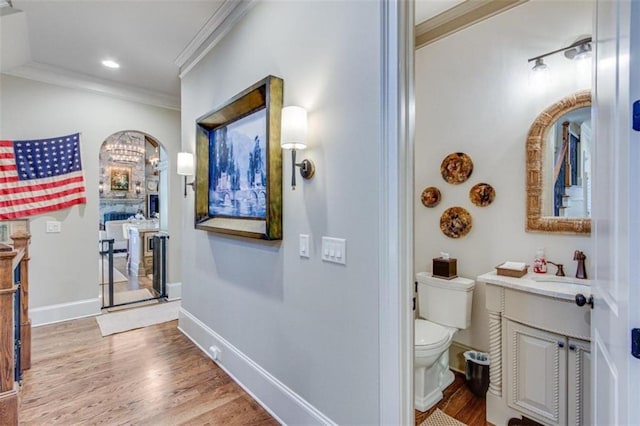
pixel 559 167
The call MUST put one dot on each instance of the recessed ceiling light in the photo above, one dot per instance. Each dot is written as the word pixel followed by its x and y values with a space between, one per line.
pixel 110 64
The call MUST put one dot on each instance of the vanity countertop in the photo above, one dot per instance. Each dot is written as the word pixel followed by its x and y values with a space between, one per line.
pixel 543 284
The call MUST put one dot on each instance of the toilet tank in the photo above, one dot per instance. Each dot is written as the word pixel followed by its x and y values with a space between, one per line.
pixel 446 302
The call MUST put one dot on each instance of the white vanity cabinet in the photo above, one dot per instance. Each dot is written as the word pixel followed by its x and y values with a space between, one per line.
pixel 546 376
pixel 539 344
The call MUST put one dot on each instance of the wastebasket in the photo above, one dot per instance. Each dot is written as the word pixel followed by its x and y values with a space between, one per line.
pixel 477 372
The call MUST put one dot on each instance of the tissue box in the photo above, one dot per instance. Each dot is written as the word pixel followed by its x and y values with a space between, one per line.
pixel 445 268
pixel 507 271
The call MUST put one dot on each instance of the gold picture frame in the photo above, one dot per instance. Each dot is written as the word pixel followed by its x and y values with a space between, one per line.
pixel 238 181
pixel 119 177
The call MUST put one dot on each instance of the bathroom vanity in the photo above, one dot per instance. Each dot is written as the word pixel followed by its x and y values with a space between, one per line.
pixel 539 343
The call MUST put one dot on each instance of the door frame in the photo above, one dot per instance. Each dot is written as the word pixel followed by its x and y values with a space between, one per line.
pixel 396 213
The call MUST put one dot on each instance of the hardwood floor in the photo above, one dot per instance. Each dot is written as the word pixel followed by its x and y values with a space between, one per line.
pixel 460 403
pixel 149 376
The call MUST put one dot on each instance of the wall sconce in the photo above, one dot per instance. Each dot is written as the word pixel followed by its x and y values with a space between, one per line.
pixel 186 168
pixel 138 189
pixel 100 187
pixel 294 137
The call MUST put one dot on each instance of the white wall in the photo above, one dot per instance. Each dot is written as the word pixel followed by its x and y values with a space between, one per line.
pixel 473 95
pixel 64 266
pixel 310 324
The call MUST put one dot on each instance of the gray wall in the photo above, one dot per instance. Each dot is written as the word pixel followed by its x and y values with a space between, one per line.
pixel 313 325
pixel 64 266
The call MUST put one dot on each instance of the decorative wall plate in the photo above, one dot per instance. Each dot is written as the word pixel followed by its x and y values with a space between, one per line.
pixel 431 196
pixel 455 222
pixel 482 194
pixel 456 168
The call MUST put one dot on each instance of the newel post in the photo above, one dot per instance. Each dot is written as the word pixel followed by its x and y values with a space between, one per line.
pixel 21 241
pixel 8 391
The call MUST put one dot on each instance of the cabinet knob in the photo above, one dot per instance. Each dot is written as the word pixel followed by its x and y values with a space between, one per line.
pixel 581 300
pixel 572 347
pixel 560 344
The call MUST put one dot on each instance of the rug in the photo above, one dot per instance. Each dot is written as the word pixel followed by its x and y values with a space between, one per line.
pixel 117 275
pixel 131 319
pixel 439 418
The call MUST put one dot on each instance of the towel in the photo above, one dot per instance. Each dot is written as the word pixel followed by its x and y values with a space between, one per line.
pixel 514 266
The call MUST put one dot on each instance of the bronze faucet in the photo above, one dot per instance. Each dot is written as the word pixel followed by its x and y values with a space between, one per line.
pixel 560 270
pixel 581 271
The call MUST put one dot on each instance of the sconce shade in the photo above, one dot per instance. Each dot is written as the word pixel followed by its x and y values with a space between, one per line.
pixel 294 128
pixel 185 164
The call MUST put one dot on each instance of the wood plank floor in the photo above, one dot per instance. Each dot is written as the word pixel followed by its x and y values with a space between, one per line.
pixel 149 376
pixel 460 403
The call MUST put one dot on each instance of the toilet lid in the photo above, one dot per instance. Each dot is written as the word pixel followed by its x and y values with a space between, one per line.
pixel 428 333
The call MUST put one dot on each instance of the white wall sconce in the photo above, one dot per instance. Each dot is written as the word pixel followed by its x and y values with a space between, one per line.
pixel 186 168
pixel 138 188
pixel 294 137
pixel 100 187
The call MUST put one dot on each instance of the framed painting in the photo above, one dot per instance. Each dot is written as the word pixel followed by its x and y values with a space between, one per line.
pixel 239 164
pixel 120 177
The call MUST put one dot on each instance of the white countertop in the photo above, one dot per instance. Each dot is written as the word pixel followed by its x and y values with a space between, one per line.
pixel 544 284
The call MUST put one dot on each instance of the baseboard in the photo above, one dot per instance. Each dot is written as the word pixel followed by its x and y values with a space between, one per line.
pixel 64 312
pixel 281 402
pixel 174 291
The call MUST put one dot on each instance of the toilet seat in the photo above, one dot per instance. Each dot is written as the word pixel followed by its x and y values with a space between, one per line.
pixel 429 335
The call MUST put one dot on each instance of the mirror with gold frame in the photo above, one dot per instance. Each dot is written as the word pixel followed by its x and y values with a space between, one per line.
pixel 542 176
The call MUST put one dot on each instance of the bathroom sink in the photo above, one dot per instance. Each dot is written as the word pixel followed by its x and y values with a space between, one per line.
pixel 547 285
pixel 557 279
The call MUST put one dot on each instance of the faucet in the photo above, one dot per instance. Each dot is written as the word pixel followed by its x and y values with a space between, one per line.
pixel 560 270
pixel 580 257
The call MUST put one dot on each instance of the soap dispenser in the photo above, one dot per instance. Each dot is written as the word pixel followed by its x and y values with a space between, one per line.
pixel 540 262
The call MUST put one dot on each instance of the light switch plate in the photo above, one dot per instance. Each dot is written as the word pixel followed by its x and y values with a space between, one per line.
pixel 334 250
pixel 304 246
pixel 54 226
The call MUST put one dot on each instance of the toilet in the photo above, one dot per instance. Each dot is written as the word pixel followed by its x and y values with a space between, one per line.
pixel 444 307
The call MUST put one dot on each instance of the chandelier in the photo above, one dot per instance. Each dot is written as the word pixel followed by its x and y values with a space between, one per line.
pixel 125 148
pixel 155 158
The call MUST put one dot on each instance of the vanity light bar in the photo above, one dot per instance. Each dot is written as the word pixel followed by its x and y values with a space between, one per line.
pixel 586 42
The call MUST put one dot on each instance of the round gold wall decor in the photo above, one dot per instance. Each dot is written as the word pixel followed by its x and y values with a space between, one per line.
pixel 456 168
pixel 482 194
pixel 431 196
pixel 455 222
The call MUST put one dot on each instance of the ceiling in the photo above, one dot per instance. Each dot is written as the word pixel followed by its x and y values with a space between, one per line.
pixel 426 9
pixel 64 42
pixel 73 37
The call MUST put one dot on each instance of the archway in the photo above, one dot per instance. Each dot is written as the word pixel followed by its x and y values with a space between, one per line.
pixel 132 180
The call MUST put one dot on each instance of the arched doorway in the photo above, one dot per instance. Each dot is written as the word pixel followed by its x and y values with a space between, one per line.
pixel 131 184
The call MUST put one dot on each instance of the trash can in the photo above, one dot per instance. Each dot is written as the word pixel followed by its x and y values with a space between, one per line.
pixel 477 372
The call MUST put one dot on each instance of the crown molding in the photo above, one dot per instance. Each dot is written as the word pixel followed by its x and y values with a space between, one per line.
pixel 60 77
pixel 460 17
pixel 220 23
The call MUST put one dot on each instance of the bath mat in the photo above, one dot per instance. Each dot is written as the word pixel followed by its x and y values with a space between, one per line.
pixel 439 418
pixel 131 319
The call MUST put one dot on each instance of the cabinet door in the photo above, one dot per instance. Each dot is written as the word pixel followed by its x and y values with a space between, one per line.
pixel 579 383
pixel 537 373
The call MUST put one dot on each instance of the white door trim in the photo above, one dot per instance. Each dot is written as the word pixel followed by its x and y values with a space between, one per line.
pixel 396 213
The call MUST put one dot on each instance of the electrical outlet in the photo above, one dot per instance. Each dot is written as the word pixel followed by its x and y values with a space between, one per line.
pixel 53 226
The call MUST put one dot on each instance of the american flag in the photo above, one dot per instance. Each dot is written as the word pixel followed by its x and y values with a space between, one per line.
pixel 40 176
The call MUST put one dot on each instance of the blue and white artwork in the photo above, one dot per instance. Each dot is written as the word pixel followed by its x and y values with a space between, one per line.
pixel 238 168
